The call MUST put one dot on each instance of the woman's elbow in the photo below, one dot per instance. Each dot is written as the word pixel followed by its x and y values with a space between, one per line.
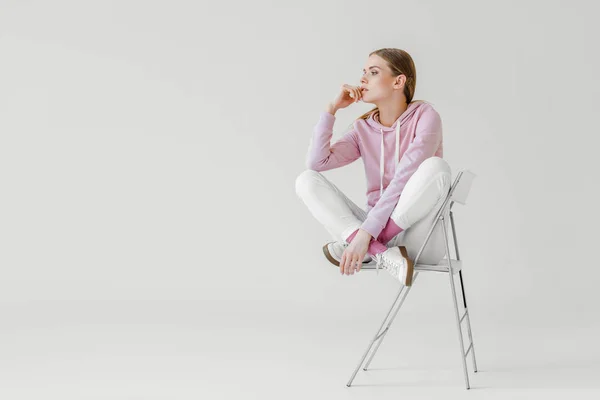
pixel 314 165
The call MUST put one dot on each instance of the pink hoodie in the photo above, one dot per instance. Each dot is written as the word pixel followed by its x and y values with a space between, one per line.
pixel 390 154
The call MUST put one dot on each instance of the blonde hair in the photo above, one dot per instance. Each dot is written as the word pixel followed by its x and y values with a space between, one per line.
pixel 401 63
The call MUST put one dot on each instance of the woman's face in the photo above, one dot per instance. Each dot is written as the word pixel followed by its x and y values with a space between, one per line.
pixel 377 82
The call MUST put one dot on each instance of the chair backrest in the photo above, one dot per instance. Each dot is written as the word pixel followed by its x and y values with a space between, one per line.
pixel 462 186
pixel 458 192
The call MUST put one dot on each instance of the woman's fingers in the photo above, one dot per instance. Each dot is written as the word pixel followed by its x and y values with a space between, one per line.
pixel 354 92
pixel 350 263
pixel 345 268
pixel 347 262
pixel 350 92
pixel 354 264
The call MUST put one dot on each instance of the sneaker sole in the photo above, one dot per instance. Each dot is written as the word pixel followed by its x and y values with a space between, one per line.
pixel 409 266
pixel 333 260
pixel 329 257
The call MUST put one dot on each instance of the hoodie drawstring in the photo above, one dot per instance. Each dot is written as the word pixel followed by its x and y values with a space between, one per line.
pixel 381 164
pixel 382 159
pixel 381 167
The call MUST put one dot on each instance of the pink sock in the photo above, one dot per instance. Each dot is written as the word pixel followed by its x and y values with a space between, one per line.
pixel 375 246
pixel 349 239
pixel 389 231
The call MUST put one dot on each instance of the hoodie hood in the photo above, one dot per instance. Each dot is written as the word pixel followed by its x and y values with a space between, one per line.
pixel 377 128
pixel 373 119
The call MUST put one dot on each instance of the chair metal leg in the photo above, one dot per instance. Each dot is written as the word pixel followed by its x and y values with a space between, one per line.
pixel 464 297
pixel 402 294
pixel 381 332
pixel 389 324
pixel 457 313
pixel 462 286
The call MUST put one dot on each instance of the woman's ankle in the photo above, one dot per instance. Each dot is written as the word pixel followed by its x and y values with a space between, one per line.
pixel 390 230
pixel 376 247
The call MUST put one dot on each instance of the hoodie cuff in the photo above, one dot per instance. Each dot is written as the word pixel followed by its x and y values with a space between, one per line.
pixel 326 121
pixel 372 227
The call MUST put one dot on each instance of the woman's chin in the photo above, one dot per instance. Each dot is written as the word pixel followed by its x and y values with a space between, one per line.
pixel 366 98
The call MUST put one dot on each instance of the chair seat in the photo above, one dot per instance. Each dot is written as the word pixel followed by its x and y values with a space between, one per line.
pixel 442 266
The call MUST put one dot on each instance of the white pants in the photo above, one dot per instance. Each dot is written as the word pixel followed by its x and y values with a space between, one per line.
pixel 415 211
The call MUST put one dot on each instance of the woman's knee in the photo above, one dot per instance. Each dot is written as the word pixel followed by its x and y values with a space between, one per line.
pixel 434 165
pixel 424 190
pixel 436 169
pixel 305 180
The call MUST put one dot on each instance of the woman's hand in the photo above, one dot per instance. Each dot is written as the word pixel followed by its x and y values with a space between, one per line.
pixel 348 94
pixel 354 254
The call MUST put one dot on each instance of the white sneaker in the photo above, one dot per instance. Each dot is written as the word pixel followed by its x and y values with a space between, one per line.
pixel 395 261
pixel 333 252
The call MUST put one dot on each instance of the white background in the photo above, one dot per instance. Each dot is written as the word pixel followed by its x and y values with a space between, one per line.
pixel 153 245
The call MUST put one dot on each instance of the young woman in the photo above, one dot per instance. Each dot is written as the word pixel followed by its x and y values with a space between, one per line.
pixel 400 143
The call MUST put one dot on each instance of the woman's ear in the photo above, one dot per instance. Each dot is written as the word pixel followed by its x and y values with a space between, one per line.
pixel 400 81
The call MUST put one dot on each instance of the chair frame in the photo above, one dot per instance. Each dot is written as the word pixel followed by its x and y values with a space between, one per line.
pixel 457 193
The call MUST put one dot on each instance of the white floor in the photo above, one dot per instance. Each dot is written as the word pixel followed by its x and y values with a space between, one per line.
pixel 201 350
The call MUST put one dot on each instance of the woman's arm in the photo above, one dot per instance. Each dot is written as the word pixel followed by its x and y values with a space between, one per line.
pixel 322 155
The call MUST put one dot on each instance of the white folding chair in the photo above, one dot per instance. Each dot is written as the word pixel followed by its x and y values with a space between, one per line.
pixel 457 194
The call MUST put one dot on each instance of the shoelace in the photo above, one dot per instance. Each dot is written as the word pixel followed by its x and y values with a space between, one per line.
pixel 390 266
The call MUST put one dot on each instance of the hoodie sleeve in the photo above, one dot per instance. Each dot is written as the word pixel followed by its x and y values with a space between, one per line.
pixel 323 156
pixel 428 138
